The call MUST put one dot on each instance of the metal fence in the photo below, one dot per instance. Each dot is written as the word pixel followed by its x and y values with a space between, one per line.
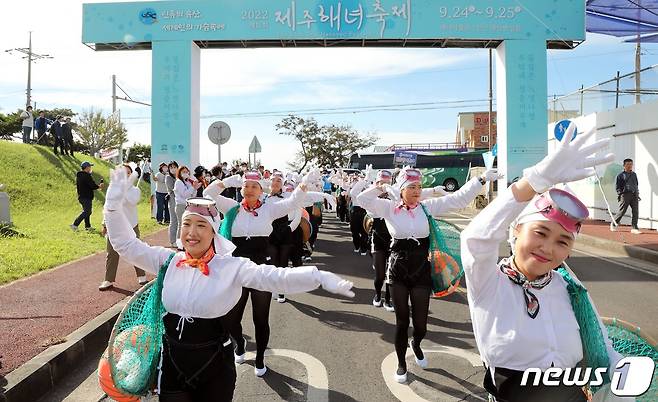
pixel 612 94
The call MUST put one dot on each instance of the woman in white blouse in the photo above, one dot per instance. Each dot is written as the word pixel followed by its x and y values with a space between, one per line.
pixel 250 233
pixel 185 187
pixel 409 267
pixel 521 309
pixel 201 285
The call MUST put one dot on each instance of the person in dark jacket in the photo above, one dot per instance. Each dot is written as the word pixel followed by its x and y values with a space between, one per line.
pixel 85 185
pixel 628 195
pixel 41 124
pixel 67 136
pixel 57 130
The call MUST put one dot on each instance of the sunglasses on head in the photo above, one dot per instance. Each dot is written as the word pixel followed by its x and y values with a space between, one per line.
pixel 252 176
pixel 564 208
pixel 202 206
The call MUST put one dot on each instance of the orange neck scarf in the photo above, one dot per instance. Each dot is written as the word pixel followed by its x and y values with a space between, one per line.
pixel 199 263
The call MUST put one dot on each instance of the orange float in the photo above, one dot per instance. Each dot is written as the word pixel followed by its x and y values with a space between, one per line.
pixel 445 267
pixel 107 383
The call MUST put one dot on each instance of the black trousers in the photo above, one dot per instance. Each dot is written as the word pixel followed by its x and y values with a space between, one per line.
pixel 198 366
pixel 341 208
pixel 628 200
pixel 507 388
pixel 68 145
pixel 359 235
pixel 256 249
pixel 59 142
pixel 86 212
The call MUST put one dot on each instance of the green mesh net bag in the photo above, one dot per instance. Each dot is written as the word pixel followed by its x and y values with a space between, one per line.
pixel 445 256
pixel 227 223
pixel 136 339
pixel 630 340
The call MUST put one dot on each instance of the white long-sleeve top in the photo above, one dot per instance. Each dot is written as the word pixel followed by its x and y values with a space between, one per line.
pixel 189 293
pixel 404 225
pixel 130 205
pixel 248 225
pixel 506 336
pixel 356 189
pixel 183 191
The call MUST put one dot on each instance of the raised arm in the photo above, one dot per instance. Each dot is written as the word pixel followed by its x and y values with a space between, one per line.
pixel 290 280
pixel 481 239
pixel 457 200
pixel 121 234
pixel 282 208
pixel 369 198
pixel 214 191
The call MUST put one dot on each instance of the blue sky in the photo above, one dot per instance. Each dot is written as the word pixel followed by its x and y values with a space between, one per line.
pixel 263 80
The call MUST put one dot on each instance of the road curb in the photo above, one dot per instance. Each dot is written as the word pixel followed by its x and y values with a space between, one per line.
pixel 40 375
pixel 628 250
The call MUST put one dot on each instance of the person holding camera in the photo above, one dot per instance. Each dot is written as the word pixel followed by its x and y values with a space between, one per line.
pixel 85 185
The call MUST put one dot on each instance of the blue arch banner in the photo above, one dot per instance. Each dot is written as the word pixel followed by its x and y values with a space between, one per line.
pixel 245 20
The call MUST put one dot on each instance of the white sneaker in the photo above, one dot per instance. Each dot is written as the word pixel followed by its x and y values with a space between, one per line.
pixel 421 363
pixel 364 253
pixel 356 250
pixel 400 378
pixel 389 307
pixel 377 302
pixel 239 359
pixel 73 228
pixel 613 228
pixel 142 280
pixel 260 372
pixel 281 299
pixel 636 231
pixel 105 285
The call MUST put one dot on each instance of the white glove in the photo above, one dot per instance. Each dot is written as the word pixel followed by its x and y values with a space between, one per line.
pixel 371 174
pixel 571 161
pixel 335 284
pixel 492 175
pixel 393 192
pixel 233 181
pixel 116 191
pixel 311 177
pixel 440 190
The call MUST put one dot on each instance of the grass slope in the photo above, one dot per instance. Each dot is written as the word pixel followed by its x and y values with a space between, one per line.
pixel 43 199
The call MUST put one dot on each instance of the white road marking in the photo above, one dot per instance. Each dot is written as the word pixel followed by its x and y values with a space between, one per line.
pixel 404 392
pixel 318 380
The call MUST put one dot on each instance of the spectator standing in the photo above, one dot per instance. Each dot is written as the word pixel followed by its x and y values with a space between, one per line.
pixel 67 136
pixel 28 124
pixel 130 211
pixel 41 126
pixel 57 130
pixel 85 185
pixel 628 195
pixel 184 188
pixel 170 181
pixel 200 175
pixel 162 212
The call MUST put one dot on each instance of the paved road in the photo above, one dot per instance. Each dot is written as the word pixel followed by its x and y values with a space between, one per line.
pixel 335 349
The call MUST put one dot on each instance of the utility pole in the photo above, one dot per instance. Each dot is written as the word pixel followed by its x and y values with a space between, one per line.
pixel 490 94
pixel 638 67
pixel 126 98
pixel 30 56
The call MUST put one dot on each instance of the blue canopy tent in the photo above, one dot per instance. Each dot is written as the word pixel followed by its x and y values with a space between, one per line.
pixel 620 18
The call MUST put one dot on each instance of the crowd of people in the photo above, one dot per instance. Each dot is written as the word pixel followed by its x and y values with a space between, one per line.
pixel 238 234
pixel 61 130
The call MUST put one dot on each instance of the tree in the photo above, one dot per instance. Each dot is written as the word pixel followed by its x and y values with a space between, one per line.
pixel 306 132
pixel 97 132
pixel 329 145
pixel 137 153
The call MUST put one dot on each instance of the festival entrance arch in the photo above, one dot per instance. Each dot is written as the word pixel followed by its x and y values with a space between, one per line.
pixel 175 31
